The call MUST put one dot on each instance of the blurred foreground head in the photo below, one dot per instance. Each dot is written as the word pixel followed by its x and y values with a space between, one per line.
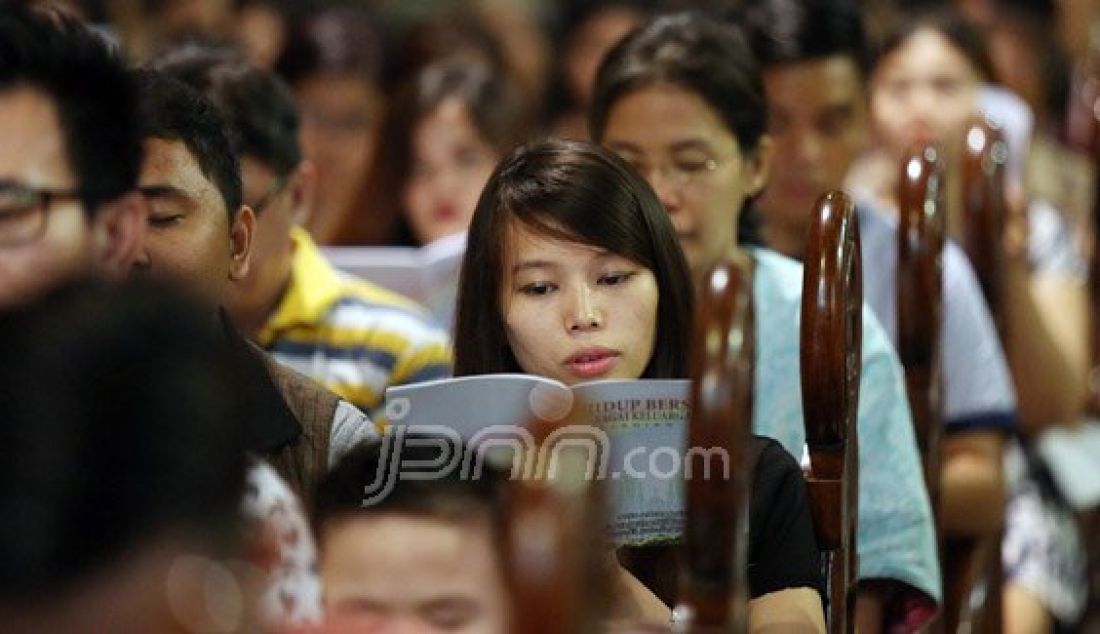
pixel 419 554
pixel 121 469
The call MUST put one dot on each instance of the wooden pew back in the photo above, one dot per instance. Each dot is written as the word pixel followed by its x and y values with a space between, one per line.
pixel 831 349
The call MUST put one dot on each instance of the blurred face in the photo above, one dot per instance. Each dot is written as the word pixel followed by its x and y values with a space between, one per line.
pixel 818 123
pixel 195 16
pixel 339 124
pixel 693 162
pixel 272 199
pixel 397 573
pixel 577 313
pixel 591 42
pixel 261 29
pixel 190 239
pixel 451 164
pixel 925 90
pixel 40 244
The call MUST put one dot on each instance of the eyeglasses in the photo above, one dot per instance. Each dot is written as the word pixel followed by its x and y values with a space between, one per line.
pixel 681 174
pixel 269 196
pixel 23 211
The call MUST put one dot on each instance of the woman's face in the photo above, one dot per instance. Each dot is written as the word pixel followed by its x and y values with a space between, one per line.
pixel 339 123
pixel 590 43
pixel 923 91
pixel 451 163
pixel 694 163
pixel 574 312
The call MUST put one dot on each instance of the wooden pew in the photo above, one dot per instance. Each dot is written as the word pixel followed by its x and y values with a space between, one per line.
pixel 921 235
pixel 831 346
pixel 971 567
pixel 714 558
pixel 985 210
pixel 558 563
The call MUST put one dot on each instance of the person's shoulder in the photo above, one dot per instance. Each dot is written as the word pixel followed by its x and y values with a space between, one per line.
pixel 875 224
pixel 777 278
pixel 355 291
pixel 772 460
pixel 363 305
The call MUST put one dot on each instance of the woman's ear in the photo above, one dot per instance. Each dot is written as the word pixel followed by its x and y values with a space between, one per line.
pixel 758 166
pixel 240 242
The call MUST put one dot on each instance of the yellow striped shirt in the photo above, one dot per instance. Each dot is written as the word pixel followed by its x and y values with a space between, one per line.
pixel 353 337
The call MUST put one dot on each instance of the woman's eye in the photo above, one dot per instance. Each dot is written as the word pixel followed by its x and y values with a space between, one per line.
pixel 469 157
pixel 691 167
pixel 537 288
pixel 613 279
pixel 946 85
pixel 897 87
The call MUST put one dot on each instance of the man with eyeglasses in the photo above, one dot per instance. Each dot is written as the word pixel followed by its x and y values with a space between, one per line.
pixel 69 157
pixel 353 337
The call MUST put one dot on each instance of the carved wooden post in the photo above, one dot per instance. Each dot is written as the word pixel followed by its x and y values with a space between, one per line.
pixel 714 560
pixel 831 340
pixel 985 210
pixel 921 235
pixel 555 550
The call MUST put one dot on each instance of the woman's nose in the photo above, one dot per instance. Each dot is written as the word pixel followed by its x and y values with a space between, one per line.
pixel 583 314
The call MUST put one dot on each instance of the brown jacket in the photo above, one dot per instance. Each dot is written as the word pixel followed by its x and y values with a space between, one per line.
pixel 303 461
pixel 294 423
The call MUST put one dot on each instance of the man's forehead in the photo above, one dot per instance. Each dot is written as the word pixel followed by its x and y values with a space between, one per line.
pixel 33 148
pixel 826 81
pixel 169 166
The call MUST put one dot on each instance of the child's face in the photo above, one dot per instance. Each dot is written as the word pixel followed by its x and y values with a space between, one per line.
pixel 575 313
pixel 451 163
pixel 404 573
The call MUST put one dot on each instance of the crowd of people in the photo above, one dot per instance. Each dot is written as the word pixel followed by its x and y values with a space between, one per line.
pixel 193 399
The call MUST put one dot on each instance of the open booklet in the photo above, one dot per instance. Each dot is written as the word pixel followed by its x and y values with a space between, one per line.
pixel 428 274
pixel 638 427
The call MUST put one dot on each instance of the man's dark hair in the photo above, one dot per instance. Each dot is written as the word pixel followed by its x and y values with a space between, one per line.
pixel 94 94
pixel 173 111
pixel 450 497
pixel 257 106
pixel 791 31
pixel 122 412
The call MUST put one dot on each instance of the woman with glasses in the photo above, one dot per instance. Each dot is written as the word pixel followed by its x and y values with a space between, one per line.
pixel 683 101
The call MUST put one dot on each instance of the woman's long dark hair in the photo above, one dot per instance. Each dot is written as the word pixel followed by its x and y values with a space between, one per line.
pixel 579 192
pixel 492 103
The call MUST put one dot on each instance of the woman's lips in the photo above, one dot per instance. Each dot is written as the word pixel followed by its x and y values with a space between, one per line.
pixel 592 363
pixel 446 213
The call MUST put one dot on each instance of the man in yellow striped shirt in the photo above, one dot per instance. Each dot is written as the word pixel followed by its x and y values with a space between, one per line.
pixel 353 337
